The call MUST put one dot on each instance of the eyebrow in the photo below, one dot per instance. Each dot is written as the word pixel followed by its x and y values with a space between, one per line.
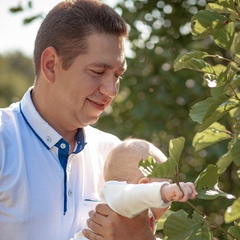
pixel 107 66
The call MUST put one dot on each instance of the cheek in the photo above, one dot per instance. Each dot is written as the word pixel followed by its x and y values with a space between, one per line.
pixel 81 88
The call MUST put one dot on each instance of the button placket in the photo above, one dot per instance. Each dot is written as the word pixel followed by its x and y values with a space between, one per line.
pixel 63 151
pixel 70 192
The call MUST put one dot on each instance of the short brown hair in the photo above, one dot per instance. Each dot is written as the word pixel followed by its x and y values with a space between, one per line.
pixel 69 24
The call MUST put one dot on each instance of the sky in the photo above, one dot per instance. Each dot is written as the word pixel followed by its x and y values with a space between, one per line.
pixel 14 35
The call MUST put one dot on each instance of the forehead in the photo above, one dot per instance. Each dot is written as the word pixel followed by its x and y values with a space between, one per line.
pixel 106 50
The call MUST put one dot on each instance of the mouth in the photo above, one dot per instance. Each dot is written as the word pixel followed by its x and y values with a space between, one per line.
pixel 96 102
pixel 99 106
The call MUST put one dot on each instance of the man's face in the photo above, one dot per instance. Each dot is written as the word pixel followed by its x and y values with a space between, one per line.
pixel 90 84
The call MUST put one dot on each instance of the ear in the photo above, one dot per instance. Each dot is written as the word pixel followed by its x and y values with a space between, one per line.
pixel 143 180
pixel 48 62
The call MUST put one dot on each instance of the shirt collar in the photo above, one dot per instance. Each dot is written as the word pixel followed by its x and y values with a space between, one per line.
pixel 41 128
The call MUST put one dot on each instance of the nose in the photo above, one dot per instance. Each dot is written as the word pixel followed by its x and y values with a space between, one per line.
pixel 109 86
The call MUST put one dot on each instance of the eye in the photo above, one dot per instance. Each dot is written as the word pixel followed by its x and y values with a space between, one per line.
pixel 96 73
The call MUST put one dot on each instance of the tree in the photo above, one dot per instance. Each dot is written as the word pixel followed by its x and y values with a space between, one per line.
pixel 220 20
pixel 16 74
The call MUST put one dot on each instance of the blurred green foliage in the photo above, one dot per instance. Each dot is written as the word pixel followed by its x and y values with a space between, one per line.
pixel 16 76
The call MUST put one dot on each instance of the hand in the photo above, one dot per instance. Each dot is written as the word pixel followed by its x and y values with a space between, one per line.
pixel 173 192
pixel 108 225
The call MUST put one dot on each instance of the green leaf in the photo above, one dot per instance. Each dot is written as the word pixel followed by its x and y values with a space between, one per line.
pixel 235 231
pixel 206 180
pixel 30 4
pixel 175 148
pixel 211 110
pixel 235 82
pixel 213 134
pixel 193 61
pixel 218 91
pixel 31 19
pixel 18 8
pixel 168 168
pixel 182 60
pixel 163 218
pixel 219 112
pixel 147 166
pixel 206 184
pixel 233 213
pixel 204 23
pixel 220 107
pixel 159 170
pixel 219 78
pixel 228 74
pixel 222 6
pixel 224 162
pixel 224 37
pixel 180 226
pixel 235 49
pixel 225 78
pixel 235 151
pixel 204 108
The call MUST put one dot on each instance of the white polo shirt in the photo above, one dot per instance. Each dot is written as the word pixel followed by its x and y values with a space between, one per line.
pixel 35 201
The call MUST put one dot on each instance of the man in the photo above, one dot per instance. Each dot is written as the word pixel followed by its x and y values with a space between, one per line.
pixel 51 160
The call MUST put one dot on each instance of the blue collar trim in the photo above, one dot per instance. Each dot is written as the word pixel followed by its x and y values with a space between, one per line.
pixel 32 128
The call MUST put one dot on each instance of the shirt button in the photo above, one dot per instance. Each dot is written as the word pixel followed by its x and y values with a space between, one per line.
pixel 49 139
pixel 63 145
pixel 70 192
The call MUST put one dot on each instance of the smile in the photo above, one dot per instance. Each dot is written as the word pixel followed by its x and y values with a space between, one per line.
pixel 99 104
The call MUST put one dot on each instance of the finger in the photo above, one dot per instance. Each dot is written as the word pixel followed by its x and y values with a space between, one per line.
pixel 103 209
pixel 178 192
pixel 95 216
pixel 95 220
pixel 91 235
pixel 194 191
pixel 186 193
pixel 190 191
pixel 101 225
pixel 178 195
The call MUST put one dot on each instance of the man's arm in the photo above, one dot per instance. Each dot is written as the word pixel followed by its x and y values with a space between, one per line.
pixel 108 225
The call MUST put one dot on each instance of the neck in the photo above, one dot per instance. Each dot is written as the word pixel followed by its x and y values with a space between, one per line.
pixel 49 114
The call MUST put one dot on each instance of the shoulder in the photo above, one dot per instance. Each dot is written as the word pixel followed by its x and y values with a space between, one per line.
pixel 103 142
pixel 7 115
pixel 94 134
pixel 8 125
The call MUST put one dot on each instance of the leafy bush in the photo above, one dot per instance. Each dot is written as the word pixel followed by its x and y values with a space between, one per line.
pixel 218 118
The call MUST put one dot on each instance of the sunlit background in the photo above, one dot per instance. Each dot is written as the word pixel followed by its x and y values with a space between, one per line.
pixel 14 35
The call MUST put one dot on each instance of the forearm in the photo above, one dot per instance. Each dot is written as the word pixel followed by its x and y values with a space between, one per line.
pixel 131 199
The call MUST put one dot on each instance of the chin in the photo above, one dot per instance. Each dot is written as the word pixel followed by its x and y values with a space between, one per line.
pixel 93 121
